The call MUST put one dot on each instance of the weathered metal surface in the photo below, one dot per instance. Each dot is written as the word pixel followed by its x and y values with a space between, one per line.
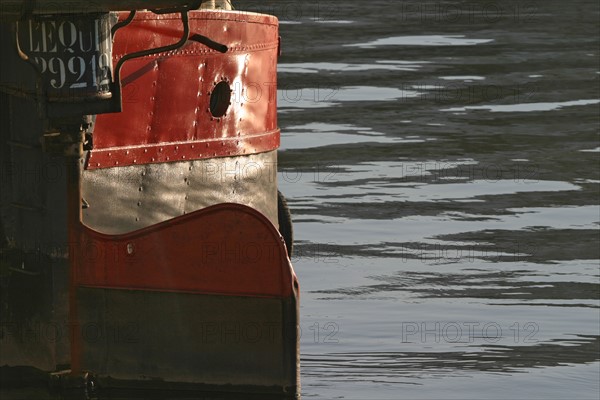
pixel 33 183
pixel 61 63
pixel 144 337
pixel 227 248
pixel 33 249
pixel 179 151
pixel 73 54
pixel 184 266
pixel 124 199
pixel 225 264
pixel 34 323
pixel 167 97
pixel 18 79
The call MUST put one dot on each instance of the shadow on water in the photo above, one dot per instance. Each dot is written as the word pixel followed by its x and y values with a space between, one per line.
pixel 384 366
pixel 493 286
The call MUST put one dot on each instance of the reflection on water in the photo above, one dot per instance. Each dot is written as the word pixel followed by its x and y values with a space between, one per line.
pixel 331 21
pixel 323 134
pixel 423 40
pixel 446 200
pixel 526 107
pixel 463 78
pixel 318 97
pixel 314 68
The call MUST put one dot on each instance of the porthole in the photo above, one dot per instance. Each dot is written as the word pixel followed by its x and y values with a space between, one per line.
pixel 220 98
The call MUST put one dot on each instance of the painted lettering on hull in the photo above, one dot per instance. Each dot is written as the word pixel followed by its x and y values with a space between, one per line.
pixel 72 54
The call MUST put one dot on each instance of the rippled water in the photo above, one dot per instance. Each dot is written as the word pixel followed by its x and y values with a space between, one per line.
pixel 441 160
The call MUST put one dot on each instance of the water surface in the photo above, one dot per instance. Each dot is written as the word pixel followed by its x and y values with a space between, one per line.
pixel 441 162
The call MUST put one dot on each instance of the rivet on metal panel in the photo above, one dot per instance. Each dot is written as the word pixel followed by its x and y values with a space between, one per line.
pixel 134 161
pixel 160 150
pixel 145 150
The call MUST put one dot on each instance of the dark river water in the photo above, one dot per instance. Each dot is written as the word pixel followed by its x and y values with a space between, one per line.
pixel 441 160
pixel 442 163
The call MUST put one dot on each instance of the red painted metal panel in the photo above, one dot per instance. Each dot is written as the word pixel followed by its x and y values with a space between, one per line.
pixel 166 97
pixel 227 249
pixel 181 151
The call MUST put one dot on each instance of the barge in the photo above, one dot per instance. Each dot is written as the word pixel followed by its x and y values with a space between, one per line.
pixel 142 243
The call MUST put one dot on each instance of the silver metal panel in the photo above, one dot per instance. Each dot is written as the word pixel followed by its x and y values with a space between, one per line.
pixel 123 199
